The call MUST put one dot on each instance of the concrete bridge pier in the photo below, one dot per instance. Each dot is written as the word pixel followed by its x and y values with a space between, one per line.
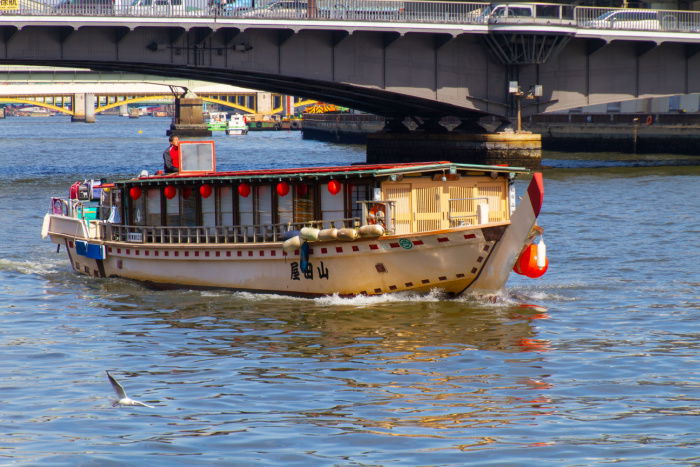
pixel 466 142
pixel 188 119
pixel 517 149
pixel 83 108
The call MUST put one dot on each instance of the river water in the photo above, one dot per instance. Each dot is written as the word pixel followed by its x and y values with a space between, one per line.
pixel 596 362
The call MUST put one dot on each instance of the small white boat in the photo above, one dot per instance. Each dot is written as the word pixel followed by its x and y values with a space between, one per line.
pixel 236 125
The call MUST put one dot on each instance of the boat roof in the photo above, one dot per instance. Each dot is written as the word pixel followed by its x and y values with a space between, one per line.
pixel 346 171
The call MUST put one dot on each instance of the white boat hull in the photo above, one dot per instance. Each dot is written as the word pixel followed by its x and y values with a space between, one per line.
pixel 450 261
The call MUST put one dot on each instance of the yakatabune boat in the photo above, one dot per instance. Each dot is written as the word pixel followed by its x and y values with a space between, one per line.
pixel 361 229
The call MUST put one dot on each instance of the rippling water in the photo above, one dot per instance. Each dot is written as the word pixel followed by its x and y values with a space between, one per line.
pixel 597 362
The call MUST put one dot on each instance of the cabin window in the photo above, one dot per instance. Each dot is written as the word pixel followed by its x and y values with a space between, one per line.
pixel 285 207
pixel 361 192
pixel 303 203
pixel 153 206
pixel 172 210
pixel 245 209
pixel 263 204
pixel 332 206
pixel 225 214
pixel 188 197
pixel 209 211
pixel 462 204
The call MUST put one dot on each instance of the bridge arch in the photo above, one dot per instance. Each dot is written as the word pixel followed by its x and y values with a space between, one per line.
pixel 233 105
pixel 131 100
pixel 35 103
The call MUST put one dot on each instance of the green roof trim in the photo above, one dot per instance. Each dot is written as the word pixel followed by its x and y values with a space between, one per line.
pixel 323 173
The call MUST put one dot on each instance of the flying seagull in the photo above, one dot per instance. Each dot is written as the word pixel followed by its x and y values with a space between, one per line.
pixel 123 399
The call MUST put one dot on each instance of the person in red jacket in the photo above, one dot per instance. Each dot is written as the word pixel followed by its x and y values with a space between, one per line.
pixel 171 156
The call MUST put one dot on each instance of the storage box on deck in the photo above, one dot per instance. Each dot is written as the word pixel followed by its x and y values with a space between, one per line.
pixel 89 211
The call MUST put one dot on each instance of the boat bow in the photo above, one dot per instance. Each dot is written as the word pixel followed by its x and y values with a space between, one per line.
pixel 501 261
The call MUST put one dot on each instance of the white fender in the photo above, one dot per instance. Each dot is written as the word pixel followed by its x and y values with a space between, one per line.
pixel 541 254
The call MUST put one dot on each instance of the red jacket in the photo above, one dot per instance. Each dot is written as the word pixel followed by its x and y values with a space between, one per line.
pixel 171 159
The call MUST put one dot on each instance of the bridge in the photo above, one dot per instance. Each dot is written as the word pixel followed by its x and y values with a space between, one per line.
pixel 399 59
pixel 64 89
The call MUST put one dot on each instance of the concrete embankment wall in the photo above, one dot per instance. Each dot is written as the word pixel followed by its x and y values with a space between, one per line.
pixel 635 133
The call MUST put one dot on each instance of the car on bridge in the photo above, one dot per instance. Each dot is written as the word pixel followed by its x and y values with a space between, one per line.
pixel 287 9
pixel 528 13
pixel 638 19
pixel 329 9
pixel 631 19
pixel 365 10
pixel 230 7
pixel 156 8
pixel 85 7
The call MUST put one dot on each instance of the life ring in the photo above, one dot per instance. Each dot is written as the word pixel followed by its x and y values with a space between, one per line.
pixel 376 214
pixel 649 120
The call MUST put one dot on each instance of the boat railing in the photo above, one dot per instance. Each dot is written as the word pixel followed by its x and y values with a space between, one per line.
pixel 214 234
pixel 461 216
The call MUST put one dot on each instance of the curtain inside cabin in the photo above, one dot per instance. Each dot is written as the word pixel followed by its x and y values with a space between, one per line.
pixel 138 211
pixel 263 204
pixel 332 206
pixel 209 211
pixel 225 215
pixel 172 211
pixel 245 209
pixel 153 207
pixel 285 208
pixel 189 206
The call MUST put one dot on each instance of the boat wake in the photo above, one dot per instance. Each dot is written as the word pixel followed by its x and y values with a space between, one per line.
pixel 503 299
pixel 435 295
pixel 31 267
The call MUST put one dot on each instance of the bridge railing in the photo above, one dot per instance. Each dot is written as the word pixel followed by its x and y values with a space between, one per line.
pixel 404 11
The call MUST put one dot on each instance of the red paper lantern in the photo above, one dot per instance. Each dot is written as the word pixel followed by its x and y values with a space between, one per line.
pixel 303 189
pixel 170 191
pixel 334 187
pixel 244 190
pixel 135 192
pixel 205 190
pixel 282 188
pixel 186 192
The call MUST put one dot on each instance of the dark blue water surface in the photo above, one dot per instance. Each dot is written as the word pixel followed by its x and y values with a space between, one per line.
pixel 603 369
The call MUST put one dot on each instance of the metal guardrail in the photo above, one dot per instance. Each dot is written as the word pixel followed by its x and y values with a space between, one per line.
pixel 396 11
pixel 215 234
